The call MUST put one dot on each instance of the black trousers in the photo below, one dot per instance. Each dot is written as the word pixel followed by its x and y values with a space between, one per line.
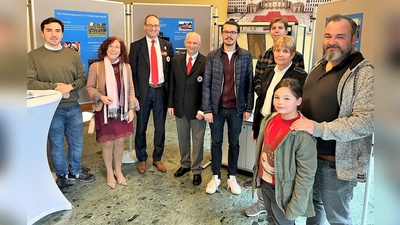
pixel 155 101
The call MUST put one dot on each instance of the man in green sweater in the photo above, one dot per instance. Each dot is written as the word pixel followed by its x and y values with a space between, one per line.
pixel 57 68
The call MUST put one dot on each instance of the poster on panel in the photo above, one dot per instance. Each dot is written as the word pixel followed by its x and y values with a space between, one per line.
pixel 84 32
pixel 175 30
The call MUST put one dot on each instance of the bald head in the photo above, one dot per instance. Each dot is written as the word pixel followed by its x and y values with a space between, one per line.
pixel 193 35
pixel 192 43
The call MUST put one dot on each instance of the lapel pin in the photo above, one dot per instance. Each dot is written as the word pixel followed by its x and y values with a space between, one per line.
pixel 199 79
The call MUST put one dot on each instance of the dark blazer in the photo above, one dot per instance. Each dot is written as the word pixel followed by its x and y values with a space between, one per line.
pixel 185 91
pixel 293 72
pixel 140 64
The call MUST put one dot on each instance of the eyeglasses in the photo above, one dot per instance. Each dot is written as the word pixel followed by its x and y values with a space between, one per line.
pixel 225 32
pixel 152 25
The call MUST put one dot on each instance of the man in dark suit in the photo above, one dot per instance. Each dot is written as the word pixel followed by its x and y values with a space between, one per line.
pixel 150 60
pixel 184 102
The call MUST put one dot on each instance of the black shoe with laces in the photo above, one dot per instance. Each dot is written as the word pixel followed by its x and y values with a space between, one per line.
pixel 83 177
pixel 248 184
pixel 62 183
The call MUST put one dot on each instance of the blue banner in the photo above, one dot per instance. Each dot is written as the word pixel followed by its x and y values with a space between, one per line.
pixel 175 30
pixel 84 32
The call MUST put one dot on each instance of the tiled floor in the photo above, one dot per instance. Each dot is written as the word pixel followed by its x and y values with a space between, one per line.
pixel 157 198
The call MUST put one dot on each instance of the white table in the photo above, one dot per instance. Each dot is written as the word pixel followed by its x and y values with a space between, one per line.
pixel 44 195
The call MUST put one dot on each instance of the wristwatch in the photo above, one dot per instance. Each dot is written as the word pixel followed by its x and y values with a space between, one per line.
pixel 73 86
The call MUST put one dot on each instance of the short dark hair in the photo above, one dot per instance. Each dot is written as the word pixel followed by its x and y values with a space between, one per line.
pixel 339 17
pixel 293 85
pixel 123 57
pixel 51 20
pixel 145 19
pixel 231 22
pixel 279 20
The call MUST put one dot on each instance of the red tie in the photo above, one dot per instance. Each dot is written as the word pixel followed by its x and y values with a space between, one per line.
pixel 154 65
pixel 189 66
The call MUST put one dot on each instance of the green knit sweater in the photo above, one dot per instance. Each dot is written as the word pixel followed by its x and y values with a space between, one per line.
pixel 46 68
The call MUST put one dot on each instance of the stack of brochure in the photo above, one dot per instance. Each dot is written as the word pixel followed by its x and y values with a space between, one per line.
pixel 38 93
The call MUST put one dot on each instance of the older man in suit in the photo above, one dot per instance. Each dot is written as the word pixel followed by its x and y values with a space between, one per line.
pixel 150 60
pixel 184 102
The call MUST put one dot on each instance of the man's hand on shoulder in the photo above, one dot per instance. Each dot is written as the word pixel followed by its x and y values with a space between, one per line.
pixel 303 124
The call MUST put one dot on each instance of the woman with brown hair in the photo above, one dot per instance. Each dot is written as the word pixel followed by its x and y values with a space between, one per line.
pixel 111 88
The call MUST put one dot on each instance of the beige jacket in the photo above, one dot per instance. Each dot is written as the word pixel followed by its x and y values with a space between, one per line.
pixel 96 85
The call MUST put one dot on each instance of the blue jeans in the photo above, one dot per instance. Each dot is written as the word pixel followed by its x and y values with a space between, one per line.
pixel 234 122
pixel 66 122
pixel 331 196
pixel 275 215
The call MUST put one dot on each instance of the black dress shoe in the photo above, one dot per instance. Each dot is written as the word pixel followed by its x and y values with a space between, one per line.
pixel 196 179
pixel 181 171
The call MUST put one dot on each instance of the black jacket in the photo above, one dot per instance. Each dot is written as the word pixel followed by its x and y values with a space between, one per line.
pixel 140 65
pixel 292 72
pixel 185 91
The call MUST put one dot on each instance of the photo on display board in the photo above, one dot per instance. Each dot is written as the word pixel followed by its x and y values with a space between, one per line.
pixel 185 26
pixel 74 45
pixel 97 29
pixel 180 51
pixel 298 12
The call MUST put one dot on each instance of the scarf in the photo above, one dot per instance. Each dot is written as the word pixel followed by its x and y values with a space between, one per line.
pixel 120 101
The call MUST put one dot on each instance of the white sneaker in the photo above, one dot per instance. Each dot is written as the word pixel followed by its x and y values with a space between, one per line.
pixel 213 185
pixel 233 185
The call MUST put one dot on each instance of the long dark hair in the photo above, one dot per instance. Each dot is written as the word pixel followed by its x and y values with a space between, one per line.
pixel 123 57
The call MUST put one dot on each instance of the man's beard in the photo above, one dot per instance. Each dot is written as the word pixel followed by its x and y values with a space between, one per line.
pixel 337 55
pixel 229 44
